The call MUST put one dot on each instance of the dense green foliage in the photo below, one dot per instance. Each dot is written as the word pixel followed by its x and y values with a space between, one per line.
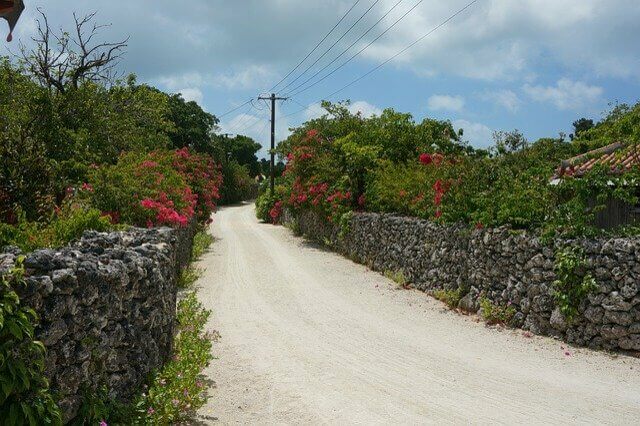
pixel 25 398
pixel 85 145
pixel 574 283
pixel 342 162
pixel 66 224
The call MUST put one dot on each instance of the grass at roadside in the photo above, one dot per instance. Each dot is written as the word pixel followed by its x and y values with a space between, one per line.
pixel 201 243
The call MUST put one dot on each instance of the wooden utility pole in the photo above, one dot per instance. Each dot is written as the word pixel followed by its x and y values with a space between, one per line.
pixel 273 98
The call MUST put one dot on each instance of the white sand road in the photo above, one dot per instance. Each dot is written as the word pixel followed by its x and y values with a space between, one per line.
pixel 309 337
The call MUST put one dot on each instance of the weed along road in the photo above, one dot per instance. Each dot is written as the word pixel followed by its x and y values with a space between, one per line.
pixel 309 337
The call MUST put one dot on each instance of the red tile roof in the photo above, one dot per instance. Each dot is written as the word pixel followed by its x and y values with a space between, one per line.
pixel 617 156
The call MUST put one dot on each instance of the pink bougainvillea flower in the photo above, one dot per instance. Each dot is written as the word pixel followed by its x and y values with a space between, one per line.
pixel 438 159
pixel 103 423
pixel 148 164
pixel 150 411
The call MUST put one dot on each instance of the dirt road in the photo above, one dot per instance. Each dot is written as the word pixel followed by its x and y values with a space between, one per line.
pixel 310 337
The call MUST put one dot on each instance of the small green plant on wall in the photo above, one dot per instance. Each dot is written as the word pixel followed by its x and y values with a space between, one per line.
pixel 451 298
pixel 496 314
pixel 573 283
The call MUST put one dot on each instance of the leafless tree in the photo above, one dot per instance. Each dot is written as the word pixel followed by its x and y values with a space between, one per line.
pixel 62 60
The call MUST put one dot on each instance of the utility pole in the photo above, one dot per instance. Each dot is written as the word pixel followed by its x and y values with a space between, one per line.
pixel 226 154
pixel 273 98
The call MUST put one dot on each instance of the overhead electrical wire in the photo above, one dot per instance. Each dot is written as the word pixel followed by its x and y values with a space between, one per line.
pixel 411 45
pixel 244 118
pixel 234 109
pixel 354 43
pixel 332 46
pixel 339 67
pixel 316 46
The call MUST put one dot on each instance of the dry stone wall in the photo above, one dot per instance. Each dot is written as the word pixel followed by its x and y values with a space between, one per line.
pixel 507 267
pixel 107 306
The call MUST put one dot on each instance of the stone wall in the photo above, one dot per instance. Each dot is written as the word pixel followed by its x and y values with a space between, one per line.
pixel 507 267
pixel 107 307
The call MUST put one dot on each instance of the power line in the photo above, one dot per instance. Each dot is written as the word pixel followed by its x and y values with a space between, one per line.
pixel 234 109
pixel 245 116
pixel 316 46
pixel 252 121
pixel 349 48
pixel 356 54
pixel 436 28
pixel 332 46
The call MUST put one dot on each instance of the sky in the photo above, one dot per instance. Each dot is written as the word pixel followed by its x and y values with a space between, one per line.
pixel 532 65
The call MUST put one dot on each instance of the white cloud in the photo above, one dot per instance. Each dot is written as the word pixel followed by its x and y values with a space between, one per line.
pixel 506 39
pixel 478 134
pixel 504 98
pixel 446 103
pixel 192 94
pixel 364 108
pixel 493 39
pixel 566 94
pixel 313 111
pixel 251 77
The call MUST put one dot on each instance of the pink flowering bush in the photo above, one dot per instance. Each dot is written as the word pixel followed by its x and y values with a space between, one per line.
pixel 162 188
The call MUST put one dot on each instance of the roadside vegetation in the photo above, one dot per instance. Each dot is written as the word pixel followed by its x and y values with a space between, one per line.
pixel 344 162
pixel 82 149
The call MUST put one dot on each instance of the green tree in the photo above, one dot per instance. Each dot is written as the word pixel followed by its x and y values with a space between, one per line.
pixel 193 127
pixel 580 126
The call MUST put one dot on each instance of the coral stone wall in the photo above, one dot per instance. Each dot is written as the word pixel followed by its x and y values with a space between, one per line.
pixel 507 267
pixel 107 307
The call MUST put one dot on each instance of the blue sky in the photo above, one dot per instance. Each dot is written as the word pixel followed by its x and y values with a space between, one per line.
pixel 534 65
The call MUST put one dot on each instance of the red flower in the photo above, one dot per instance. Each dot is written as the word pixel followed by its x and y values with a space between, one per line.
pixel 426 159
pixel 276 211
pixel 362 200
pixel 402 193
pixel 438 214
pixel 479 225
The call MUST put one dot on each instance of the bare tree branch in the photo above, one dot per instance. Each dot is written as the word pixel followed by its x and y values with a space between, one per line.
pixel 61 61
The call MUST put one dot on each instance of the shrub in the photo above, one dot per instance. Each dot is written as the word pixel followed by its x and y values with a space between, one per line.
pixel 178 390
pixel 265 205
pixel 451 298
pixel 189 276
pixel 204 179
pixel 67 223
pixel 238 185
pixel 201 242
pixel 160 188
pixel 24 391
pixel 496 314
pixel 573 283
pixel 398 277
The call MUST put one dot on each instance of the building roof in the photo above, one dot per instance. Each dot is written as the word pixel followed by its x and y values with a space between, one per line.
pixel 619 157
